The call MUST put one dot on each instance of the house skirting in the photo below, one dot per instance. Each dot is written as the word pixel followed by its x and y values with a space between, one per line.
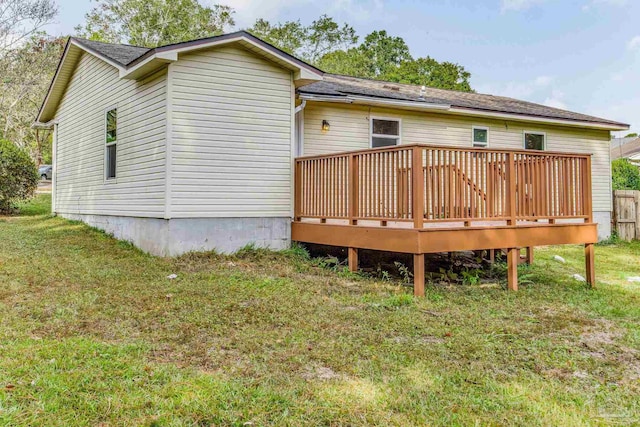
pixel 603 219
pixel 225 235
pixel 177 236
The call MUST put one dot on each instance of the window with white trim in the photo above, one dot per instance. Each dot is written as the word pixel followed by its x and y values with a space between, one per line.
pixel 480 136
pixel 534 140
pixel 111 140
pixel 384 132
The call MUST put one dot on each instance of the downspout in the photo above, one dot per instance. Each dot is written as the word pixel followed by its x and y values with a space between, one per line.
pixel 301 106
pixel 299 128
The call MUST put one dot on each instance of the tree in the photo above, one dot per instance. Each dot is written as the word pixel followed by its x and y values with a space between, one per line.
pixel 631 135
pixel 625 175
pixel 309 43
pixel 429 72
pixel 152 23
pixel 351 62
pixel 26 74
pixel 383 53
pixel 18 176
pixel 20 19
pixel 333 48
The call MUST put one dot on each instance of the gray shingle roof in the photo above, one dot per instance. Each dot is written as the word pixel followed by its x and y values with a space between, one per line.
pixel 123 54
pixel 342 86
pixel 627 149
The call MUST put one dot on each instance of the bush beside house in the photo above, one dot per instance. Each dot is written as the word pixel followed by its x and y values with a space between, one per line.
pixel 18 176
pixel 625 175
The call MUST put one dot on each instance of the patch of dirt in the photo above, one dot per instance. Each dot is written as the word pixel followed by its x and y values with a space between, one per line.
pixel 603 332
pixel 320 373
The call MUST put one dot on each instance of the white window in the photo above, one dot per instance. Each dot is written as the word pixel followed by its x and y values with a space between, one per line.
pixel 480 136
pixel 534 140
pixel 111 140
pixel 384 132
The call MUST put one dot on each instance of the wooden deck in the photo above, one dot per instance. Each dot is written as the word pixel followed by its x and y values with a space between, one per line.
pixel 425 199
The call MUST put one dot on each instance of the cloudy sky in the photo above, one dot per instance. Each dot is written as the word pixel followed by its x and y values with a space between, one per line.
pixel 581 55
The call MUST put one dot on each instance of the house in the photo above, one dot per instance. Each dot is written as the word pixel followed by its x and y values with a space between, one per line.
pixel 196 145
pixel 625 148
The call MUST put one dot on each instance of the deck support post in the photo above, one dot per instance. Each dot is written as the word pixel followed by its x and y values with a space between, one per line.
pixel 530 255
pixel 353 260
pixel 513 255
pixel 589 255
pixel 418 275
pixel 492 256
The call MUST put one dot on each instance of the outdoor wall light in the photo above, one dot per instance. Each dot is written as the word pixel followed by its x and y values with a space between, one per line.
pixel 325 126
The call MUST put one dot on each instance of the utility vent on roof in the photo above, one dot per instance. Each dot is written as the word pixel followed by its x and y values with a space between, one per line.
pixel 391 87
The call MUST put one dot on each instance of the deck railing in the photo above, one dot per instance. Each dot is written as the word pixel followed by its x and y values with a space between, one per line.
pixel 449 185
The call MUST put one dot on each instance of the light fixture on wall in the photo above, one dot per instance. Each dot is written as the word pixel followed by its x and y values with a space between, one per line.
pixel 325 126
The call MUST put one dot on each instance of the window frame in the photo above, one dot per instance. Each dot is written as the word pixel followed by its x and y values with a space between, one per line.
pixel 377 135
pixel 473 136
pixel 534 132
pixel 109 144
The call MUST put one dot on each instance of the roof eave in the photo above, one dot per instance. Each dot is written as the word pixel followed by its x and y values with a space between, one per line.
pixel 157 58
pixel 612 126
pixel 449 109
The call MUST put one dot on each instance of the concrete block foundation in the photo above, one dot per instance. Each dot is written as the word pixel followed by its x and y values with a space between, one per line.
pixel 177 236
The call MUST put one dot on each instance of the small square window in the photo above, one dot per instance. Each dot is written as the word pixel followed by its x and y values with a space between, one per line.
pixel 385 133
pixel 534 140
pixel 480 136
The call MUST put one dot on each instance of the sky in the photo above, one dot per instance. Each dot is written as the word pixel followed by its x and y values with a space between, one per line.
pixel 580 55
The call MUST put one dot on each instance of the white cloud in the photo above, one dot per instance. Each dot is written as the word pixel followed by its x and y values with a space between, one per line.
pixel 556 100
pixel 595 3
pixel 247 11
pixel 519 90
pixel 543 80
pixel 515 5
pixel 634 43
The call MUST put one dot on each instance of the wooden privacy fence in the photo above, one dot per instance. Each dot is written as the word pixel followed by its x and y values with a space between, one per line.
pixel 626 214
pixel 451 185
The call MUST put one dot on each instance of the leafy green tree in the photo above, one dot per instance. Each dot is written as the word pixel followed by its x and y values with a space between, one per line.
pixel 309 43
pixel 26 74
pixel 626 175
pixel 631 135
pixel 383 53
pixel 333 48
pixel 18 176
pixel 429 72
pixel 152 23
pixel 352 62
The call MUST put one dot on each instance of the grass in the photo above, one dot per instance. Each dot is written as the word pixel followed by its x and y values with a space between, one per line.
pixel 92 333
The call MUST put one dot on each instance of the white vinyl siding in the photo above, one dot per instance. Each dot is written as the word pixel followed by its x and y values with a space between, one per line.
pixel 350 131
pixel 231 135
pixel 138 189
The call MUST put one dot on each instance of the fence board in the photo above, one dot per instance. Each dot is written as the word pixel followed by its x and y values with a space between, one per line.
pixel 626 214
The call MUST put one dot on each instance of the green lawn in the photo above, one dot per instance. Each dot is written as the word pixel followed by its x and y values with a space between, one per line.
pixel 93 333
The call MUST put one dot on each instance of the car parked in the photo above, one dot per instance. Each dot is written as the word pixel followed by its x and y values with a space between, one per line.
pixel 45 171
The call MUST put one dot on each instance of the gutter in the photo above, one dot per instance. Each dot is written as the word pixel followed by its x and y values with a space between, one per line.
pixel 449 109
pixel 45 126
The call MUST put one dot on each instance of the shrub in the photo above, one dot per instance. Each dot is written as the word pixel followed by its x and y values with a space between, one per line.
pixel 625 175
pixel 18 176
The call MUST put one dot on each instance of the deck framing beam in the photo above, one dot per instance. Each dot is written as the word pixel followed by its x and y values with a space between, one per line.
pixel 431 240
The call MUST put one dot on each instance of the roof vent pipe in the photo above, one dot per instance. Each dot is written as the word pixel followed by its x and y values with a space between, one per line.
pixel 423 90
